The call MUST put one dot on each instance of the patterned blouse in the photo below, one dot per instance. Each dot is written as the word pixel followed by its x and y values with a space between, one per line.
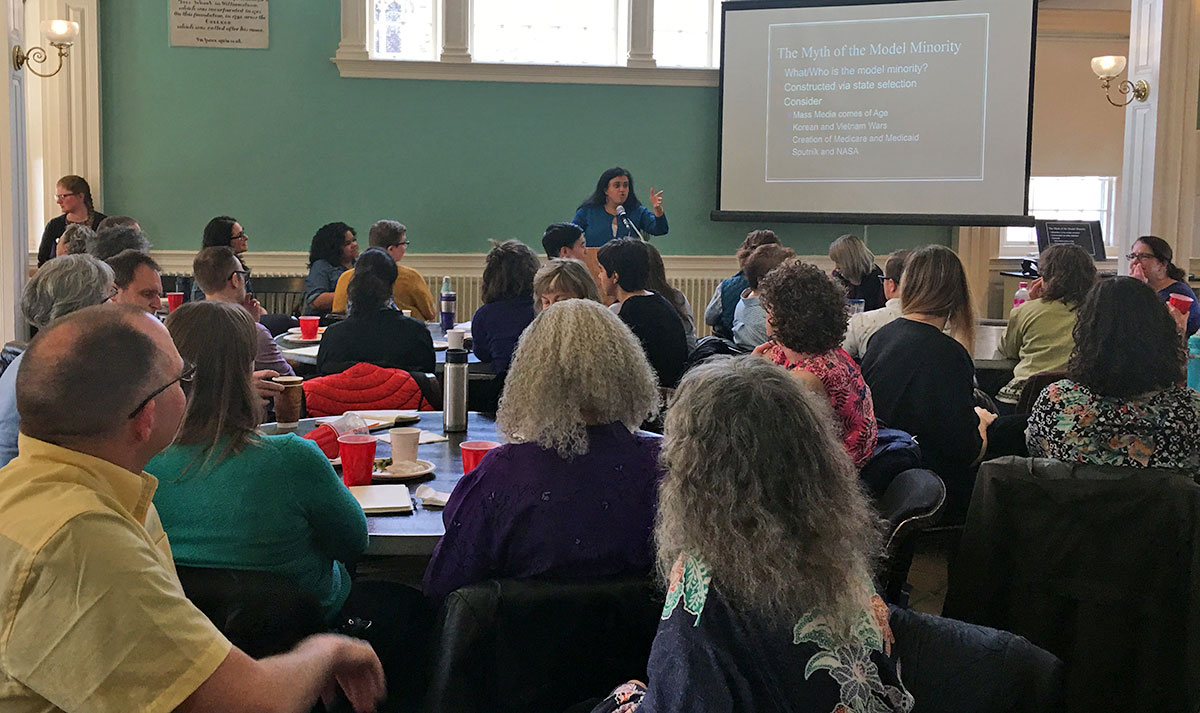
pixel 848 394
pixel 709 656
pixel 1071 424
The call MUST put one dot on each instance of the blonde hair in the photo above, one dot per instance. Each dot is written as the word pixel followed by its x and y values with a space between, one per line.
pixel 576 364
pixel 563 275
pixel 852 258
pixel 936 284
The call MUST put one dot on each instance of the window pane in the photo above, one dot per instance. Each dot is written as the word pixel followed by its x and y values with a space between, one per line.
pixel 1067 198
pixel 547 32
pixel 405 29
pixel 685 32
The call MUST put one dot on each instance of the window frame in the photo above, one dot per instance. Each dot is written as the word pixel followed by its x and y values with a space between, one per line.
pixel 1010 248
pixel 354 58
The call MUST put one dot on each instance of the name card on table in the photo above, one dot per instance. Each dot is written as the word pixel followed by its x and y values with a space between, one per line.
pixel 236 24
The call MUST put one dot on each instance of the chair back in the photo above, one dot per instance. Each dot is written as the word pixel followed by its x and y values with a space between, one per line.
pixel 534 645
pixel 9 353
pixel 365 387
pixel 911 504
pixel 1099 565
pixel 262 613
pixel 895 452
pixel 954 667
pixel 1034 386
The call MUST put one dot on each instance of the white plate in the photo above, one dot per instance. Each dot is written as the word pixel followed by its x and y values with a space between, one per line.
pixel 297 330
pixel 439 345
pixel 301 340
pixel 424 468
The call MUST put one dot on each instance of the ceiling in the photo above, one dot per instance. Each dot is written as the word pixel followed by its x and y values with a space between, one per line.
pixel 1085 4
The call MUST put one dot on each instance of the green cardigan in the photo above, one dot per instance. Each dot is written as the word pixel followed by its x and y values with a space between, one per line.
pixel 277 506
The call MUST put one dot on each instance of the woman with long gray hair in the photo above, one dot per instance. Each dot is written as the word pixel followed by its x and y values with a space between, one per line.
pixel 765 544
pixel 572 494
pixel 63 286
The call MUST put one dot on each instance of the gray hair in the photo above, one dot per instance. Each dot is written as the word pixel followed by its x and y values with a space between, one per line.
pixel 759 487
pixel 576 364
pixel 113 241
pixel 563 275
pixel 64 285
pixel 386 233
pixel 76 237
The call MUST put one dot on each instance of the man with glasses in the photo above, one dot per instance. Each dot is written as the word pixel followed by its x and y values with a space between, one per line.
pixel 222 277
pixel 410 291
pixel 95 618
pixel 862 326
pixel 137 279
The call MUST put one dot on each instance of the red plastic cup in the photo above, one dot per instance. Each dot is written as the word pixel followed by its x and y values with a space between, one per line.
pixel 1180 302
pixel 309 326
pixel 174 299
pixel 326 438
pixel 358 458
pixel 472 453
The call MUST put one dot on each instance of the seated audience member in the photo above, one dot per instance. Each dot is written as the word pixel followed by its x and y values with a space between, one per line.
pixel 376 331
pixel 1150 262
pixel 1124 401
pixel 74 240
pixel 564 240
pixel 110 242
pixel 60 287
pixel 923 380
pixel 222 231
pixel 719 312
pixel 118 221
pixel 333 251
pixel 573 492
pixel 764 544
pixel 863 326
pixel 657 283
pixel 806 321
pixel 410 291
pixel 507 310
pixel 136 276
pixel 624 273
pixel 1039 332
pixel 855 269
pixel 88 566
pixel 749 318
pixel 222 278
pixel 562 279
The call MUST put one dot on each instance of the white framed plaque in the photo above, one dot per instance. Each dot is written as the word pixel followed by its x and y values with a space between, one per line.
pixel 236 24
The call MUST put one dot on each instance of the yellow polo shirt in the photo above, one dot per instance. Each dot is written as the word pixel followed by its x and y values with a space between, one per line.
pixel 92 616
pixel 409 292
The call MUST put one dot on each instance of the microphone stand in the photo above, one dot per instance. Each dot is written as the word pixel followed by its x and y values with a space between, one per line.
pixel 625 217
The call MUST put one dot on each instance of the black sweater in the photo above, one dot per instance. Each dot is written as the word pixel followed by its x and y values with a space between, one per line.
pixel 54 230
pixel 385 338
pixel 658 326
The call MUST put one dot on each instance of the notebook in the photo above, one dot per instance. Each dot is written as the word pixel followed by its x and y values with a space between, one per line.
pixel 382 499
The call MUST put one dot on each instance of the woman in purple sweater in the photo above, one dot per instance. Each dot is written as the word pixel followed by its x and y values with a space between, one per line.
pixel 573 493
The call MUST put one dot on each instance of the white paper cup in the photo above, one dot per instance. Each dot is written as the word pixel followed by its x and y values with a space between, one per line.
pixel 406 312
pixel 454 338
pixel 404 443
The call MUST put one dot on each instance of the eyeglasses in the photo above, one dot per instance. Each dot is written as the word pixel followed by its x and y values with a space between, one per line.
pixel 185 376
pixel 239 236
pixel 244 273
pixel 404 242
pixel 1137 257
pixel 60 196
pixel 113 292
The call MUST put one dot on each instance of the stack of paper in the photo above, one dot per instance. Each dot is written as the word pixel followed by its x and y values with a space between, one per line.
pixel 382 499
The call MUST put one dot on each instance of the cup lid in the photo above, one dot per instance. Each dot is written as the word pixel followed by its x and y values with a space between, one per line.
pixel 456 356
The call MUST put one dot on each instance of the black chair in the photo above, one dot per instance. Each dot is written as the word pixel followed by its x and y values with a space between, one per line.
pixel 1033 388
pixel 953 667
pixel 277 324
pixel 509 646
pixel 911 504
pixel 262 613
pixel 10 352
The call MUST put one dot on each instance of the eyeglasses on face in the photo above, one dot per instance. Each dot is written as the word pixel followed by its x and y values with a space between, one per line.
pixel 239 236
pixel 60 196
pixel 244 273
pixel 1138 257
pixel 185 376
pixel 112 292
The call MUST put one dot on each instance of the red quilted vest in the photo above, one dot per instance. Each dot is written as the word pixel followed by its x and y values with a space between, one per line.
pixel 363 387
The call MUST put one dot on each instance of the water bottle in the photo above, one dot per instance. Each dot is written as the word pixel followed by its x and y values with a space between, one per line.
pixel 1022 294
pixel 1193 370
pixel 449 304
pixel 454 397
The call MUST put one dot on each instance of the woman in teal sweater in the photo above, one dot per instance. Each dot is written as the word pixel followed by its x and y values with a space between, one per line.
pixel 230 498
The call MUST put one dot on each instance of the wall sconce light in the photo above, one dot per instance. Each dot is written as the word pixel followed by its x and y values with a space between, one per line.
pixel 1109 68
pixel 60 34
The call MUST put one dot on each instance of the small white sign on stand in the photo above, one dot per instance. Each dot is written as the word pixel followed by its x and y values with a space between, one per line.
pixel 238 24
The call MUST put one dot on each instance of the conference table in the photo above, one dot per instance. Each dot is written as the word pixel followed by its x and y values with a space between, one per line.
pixel 417 532
pixel 297 352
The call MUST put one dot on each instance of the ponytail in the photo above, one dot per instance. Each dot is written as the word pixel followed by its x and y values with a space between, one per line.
pixel 1162 251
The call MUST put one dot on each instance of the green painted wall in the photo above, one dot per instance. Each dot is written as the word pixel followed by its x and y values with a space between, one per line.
pixel 276 138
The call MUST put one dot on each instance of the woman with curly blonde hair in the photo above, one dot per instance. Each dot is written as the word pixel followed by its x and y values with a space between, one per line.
pixel 573 492
pixel 765 544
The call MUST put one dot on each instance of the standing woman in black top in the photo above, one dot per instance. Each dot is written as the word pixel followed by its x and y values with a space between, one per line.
pixel 855 268
pixel 74 198
pixel 375 332
pixel 922 380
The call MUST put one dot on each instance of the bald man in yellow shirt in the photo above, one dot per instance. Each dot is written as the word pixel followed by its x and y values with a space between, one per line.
pixel 94 618
pixel 410 291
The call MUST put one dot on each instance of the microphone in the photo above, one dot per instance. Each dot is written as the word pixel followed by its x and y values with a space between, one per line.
pixel 621 215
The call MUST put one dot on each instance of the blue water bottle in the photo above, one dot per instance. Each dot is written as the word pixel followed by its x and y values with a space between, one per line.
pixel 1194 362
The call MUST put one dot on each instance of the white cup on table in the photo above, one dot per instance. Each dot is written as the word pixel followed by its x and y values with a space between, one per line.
pixel 404 444
pixel 406 312
pixel 455 337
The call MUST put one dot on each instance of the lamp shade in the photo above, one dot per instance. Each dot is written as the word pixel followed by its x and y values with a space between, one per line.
pixel 1109 66
pixel 60 32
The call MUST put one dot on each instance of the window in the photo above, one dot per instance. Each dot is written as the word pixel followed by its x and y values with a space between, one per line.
pixel 687 33
pixel 1064 198
pixel 549 31
pixel 405 29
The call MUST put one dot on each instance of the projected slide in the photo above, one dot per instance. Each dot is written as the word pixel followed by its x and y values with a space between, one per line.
pixel 889 108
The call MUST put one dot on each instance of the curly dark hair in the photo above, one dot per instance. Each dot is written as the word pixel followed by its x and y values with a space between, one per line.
pixel 1125 341
pixel 1068 272
pixel 328 242
pixel 508 271
pixel 806 308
